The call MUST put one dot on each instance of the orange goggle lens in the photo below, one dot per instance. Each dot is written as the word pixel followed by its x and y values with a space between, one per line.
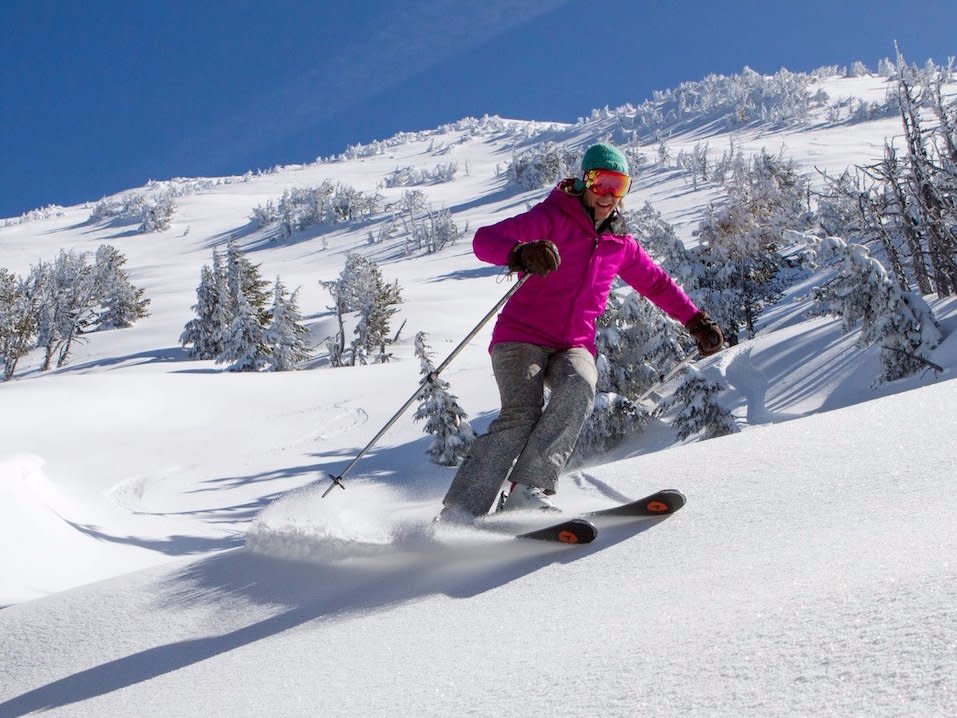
pixel 603 182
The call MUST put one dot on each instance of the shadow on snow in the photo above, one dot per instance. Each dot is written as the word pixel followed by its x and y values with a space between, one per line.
pixel 309 593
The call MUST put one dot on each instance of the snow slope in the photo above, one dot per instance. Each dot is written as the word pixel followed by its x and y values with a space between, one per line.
pixel 811 571
pixel 814 558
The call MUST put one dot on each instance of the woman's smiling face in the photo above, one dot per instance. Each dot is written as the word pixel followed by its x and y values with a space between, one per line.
pixel 601 205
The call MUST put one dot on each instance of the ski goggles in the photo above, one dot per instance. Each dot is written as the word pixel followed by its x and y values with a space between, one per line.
pixel 603 182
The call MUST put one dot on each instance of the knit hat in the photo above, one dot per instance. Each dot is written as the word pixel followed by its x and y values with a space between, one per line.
pixel 602 157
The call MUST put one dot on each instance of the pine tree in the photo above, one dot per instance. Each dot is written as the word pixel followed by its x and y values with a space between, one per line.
pixel 67 298
pixel 17 320
pixel 244 279
pixel 285 336
pixel 444 418
pixel 245 347
pixel 205 335
pixel 122 303
pixel 613 417
pixel 698 409
pixel 360 288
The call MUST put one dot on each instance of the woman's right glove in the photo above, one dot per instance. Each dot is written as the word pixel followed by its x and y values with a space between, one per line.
pixel 539 257
pixel 706 332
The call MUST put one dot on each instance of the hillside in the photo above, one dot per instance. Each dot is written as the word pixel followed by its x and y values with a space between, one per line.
pixel 813 558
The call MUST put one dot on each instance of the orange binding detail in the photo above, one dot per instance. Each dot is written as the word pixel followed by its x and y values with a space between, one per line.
pixel 568 537
pixel 657 507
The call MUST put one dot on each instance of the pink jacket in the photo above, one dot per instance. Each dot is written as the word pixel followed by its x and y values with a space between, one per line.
pixel 560 309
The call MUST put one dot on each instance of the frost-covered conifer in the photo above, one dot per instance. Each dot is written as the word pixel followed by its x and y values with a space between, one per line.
pixel 360 288
pixel 204 335
pixel 243 279
pixel 863 292
pixel 699 412
pixel 285 336
pixel 245 348
pixel 543 164
pixel 444 418
pixel 613 417
pixel 121 302
pixel 67 298
pixel 741 242
pixel 17 320
pixel 158 213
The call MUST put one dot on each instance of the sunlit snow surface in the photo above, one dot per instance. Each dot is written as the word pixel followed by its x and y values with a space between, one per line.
pixel 166 550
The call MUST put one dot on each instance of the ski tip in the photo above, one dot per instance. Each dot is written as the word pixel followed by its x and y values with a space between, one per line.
pixel 666 501
pixel 572 531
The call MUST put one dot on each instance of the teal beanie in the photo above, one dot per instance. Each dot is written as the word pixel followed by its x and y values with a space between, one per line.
pixel 601 157
pixel 604 157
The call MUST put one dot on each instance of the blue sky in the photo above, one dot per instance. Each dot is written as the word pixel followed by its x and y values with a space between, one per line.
pixel 102 96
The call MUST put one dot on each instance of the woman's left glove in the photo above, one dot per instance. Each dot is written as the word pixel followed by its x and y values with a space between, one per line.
pixel 706 332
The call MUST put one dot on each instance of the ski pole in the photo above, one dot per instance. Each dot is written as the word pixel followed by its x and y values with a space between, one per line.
pixel 432 376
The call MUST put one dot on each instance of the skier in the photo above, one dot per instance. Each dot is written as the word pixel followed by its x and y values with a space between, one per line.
pixel 575 244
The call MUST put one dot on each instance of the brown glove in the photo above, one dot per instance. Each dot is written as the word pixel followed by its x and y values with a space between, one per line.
pixel 706 332
pixel 539 257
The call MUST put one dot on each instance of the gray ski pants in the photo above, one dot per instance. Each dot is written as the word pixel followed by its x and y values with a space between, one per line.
pixel 539 441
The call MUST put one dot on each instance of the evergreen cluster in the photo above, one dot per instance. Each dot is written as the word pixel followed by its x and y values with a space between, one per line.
pixel 410 176
pixel 424 228
pixel 542 165
pixel 59 301
pixel 905 205
pixel 240 323
pixel 698 411
pixel 302 207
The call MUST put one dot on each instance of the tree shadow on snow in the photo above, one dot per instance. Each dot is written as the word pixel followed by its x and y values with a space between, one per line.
pixel 307 593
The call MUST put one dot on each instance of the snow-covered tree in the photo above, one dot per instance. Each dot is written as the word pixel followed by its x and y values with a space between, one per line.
pixel 245 347
pixel 613 417
pixel 205 334
pixel 863 293
pixel 17 320
pixel 235 323
pixel 433 232
pixel 121 303
pixel 243 279
pixel 67 299
pixel 360 288
pixel 698 410
pixel 409 176
pixel 302 207
pixel 285 336
pixel 158 213
pixel 444 418
pixel 544 164
pixel 741 242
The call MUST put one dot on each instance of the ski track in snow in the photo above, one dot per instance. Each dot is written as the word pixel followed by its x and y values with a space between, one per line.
pixel 338 420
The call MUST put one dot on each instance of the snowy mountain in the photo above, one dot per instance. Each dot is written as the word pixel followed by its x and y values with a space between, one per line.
pixel 167 552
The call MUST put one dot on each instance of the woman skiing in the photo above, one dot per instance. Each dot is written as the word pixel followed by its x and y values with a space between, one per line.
pixel 574 244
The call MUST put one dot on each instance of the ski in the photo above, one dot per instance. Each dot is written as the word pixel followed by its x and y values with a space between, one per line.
pixel 660 503
pixel 570 531
pixel 581 530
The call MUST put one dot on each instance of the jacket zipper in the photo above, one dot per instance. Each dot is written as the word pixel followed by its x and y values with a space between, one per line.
pixel 582 288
